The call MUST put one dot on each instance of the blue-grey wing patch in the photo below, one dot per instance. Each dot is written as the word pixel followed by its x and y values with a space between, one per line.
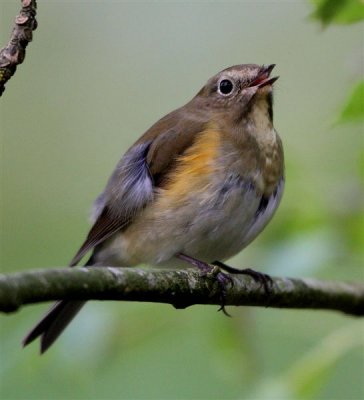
pixel 128 190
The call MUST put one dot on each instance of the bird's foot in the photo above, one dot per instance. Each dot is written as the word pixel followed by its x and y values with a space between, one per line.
pixel 214 272
pixel 264 279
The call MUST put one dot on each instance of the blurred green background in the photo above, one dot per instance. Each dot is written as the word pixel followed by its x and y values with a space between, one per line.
pixel 97 75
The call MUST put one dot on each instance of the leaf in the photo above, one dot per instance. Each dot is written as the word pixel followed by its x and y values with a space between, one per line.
pixel 354 107
pixel 307 376
pixel 338 11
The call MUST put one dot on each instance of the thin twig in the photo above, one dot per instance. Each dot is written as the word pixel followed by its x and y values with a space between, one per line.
pixel 13 53
pixel 181 288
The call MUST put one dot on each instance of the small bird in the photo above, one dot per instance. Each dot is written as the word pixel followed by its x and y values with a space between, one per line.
pixel 198 186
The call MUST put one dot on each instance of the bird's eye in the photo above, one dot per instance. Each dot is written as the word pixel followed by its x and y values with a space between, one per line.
pixel 226 87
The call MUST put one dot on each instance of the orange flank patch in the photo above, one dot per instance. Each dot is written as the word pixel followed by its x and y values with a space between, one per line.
pixel 194 168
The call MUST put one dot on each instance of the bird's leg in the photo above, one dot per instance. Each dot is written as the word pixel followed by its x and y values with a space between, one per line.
pixel 211 271
pixel 264 279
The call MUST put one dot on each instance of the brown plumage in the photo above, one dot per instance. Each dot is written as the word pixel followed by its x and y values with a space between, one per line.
pixel 200 184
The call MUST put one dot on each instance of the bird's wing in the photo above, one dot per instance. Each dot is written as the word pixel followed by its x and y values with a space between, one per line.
pixel 131 186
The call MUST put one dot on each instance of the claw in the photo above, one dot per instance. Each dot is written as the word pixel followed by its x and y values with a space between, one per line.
pixel 264 279
pixel 223 280
pixel 223 309
pixel 212 271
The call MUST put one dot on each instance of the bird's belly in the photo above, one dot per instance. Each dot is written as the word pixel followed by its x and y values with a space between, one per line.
pixel 219 229
pixel 212 223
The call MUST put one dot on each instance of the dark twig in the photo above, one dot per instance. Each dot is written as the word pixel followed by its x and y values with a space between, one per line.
pixel 180 288
pixel 14 52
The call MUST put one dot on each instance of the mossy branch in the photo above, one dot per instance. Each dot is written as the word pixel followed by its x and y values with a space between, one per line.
pixel 181 288
pixel 14 52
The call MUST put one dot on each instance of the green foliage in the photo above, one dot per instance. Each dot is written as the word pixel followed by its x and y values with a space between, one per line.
pixel 93 81
pixel 304 379
pixel 354 107
pixel 344 12
pixel 338 11
pixel 309 374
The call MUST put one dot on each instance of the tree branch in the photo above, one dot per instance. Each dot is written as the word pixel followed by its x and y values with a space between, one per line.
pixel 181 288
pixel 14 52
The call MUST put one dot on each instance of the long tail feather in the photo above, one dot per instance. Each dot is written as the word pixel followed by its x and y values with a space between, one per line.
pixel 53 323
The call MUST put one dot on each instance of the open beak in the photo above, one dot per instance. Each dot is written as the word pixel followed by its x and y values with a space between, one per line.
pixel 263 78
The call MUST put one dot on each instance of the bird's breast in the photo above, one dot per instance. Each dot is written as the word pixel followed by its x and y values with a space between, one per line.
pixel 209 207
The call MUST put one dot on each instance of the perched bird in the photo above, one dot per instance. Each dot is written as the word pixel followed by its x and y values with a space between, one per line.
pixel 198 186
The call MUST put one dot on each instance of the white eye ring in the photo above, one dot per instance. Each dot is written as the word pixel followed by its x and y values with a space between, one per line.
pixel 225 86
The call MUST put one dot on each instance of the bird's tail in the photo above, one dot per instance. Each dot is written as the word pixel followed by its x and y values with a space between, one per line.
pixel 53 323
pixel 56 320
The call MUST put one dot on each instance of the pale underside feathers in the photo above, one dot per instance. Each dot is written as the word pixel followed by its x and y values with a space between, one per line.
pixel 203 182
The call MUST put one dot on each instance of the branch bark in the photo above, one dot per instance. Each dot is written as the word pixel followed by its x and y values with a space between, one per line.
pixel 14 52
pixel 181 288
